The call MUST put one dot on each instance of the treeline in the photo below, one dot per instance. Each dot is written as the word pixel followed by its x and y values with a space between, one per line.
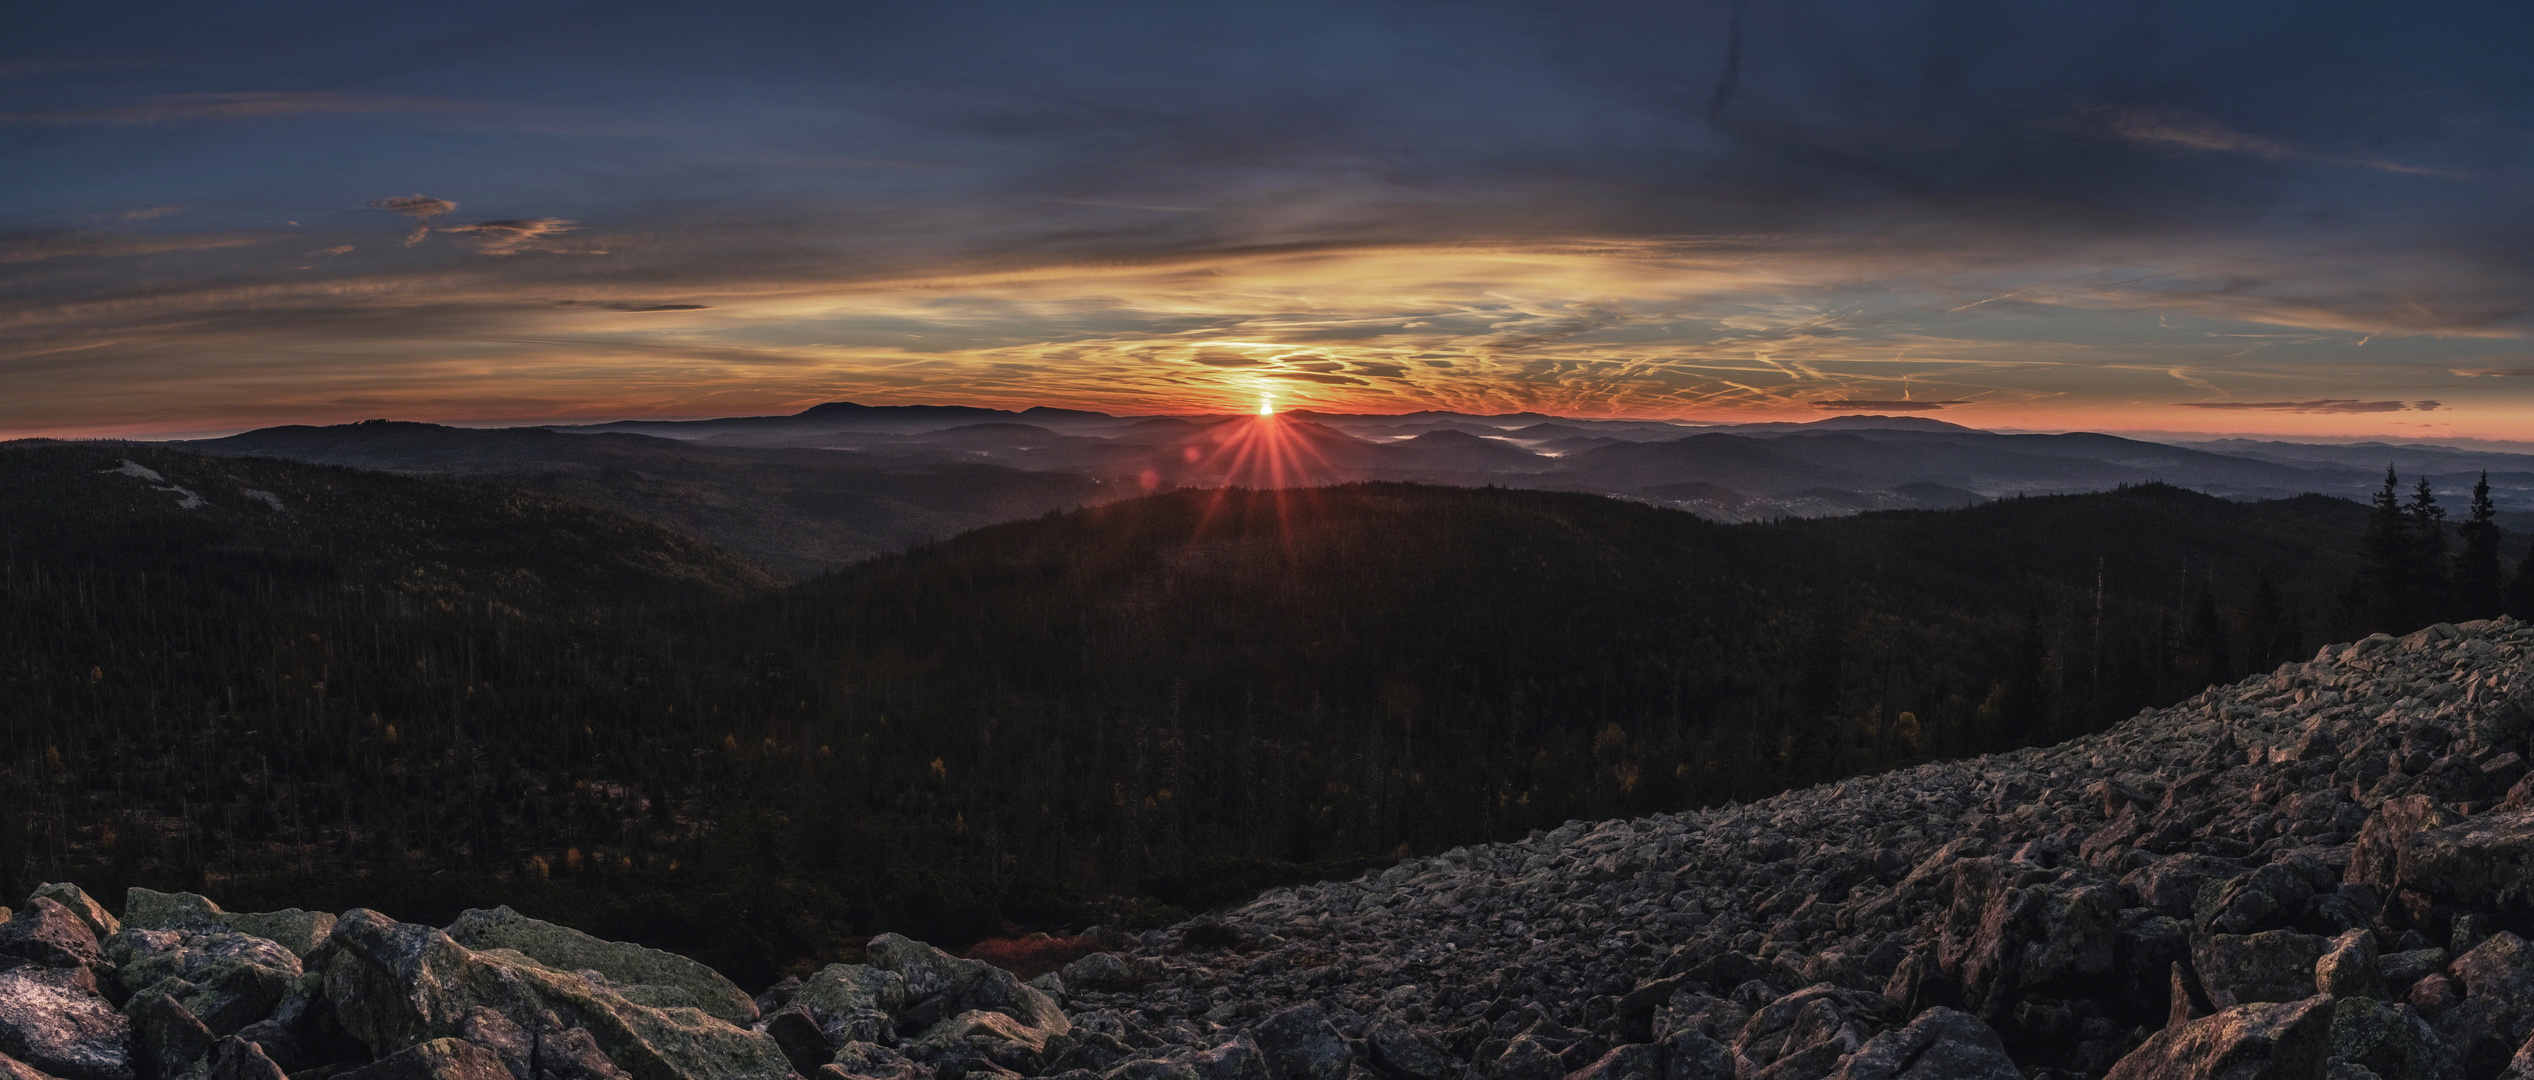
pixel 2415 569
pixel 426 696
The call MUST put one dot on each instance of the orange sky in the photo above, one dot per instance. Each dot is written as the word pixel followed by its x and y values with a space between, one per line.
pixel 1738 331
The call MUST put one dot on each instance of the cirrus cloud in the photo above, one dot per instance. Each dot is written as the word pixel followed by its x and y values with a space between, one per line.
pixel 418 206
pixel 510 236
pixel 2331 405
pixel 1860 405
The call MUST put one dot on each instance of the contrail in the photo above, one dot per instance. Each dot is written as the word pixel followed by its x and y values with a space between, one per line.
pixel 1733 63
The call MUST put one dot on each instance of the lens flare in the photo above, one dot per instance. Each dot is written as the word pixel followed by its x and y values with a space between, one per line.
pixel 1288 460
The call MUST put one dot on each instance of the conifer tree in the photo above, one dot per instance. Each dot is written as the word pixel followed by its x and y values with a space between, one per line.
pixel 2431 590
pixel 2204 654
pixel 2381 599
pixel 2477 577
pixel 2521 588
pixel 2269 632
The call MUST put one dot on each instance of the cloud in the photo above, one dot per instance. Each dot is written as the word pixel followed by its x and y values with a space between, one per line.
pixel 631 305
pixel 2165 127
pixel 1315 376
pixel 418 206
pixel 510 236
pixel 41 245
pixel 2494 373
pixel 2329 405
pixel 2177 130
pixel 1857 405
pixel 1221 358
pixel 175 108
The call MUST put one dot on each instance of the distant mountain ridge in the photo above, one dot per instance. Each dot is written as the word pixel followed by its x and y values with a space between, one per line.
pixel 815 490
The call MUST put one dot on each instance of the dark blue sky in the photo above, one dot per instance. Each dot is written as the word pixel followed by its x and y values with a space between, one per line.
pixel 2290 217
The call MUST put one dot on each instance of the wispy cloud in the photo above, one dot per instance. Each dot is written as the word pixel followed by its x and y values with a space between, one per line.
pixel 2177 130
pixel 249 105
pixel 511 236
pixel 631 305
pixel 418 206
pixel 2333 405
pixel 1883 404
pixel 42 245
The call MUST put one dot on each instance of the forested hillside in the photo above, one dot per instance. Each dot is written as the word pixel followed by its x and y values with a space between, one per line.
pixel 458 694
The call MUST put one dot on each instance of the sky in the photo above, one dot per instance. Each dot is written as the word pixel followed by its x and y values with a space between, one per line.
pixel 2307 219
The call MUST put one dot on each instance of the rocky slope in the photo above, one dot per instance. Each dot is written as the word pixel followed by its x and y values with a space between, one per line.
pixel 2319 873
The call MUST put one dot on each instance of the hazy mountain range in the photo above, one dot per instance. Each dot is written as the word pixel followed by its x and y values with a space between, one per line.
pixel 819 489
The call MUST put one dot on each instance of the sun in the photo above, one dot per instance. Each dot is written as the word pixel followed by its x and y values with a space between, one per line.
pixel 1266 406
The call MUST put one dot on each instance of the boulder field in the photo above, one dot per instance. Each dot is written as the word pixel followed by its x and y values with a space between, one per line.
pixel 2326 872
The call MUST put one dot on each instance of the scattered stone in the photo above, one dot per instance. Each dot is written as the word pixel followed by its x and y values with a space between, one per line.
pixel 49 934
pixel 2301 876
pixel 53 1020
pixel 1940 1044
pixel 2276 965
pixel 13 1069
pixel 101 922
pixel 393 985
pixel 624 964
pixel 2270 1041
pixel 438 1059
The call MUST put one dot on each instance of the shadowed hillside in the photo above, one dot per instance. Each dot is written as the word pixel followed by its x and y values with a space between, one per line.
pixel 459 695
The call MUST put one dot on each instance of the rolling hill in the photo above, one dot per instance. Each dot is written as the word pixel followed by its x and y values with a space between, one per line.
pixel 458 694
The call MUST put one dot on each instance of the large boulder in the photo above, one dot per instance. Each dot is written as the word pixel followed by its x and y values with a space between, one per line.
pixel 2497 1012
pixel 2371 1039
pixel 2172 884
pixel 1104 972
pixel 297 930
pixel 234 1058
pixel 2376 858
pixel 100 921
pixel 2271 1041
pixel 2349 967
pixel 992 1036
pixel 53 1020
pixel 395 985
pixel 167 1039
pixel 227 979
pixel 999 991
pixel 1300 1044
pixel 2484 864
pixel 1688 1055
pixel 1814 1026
pixel 1941 1044
pixel 843 989
pixel 643 974
pixel 2275 965
pixel 438 1059
pixel 51 935
pixel 13 1069
pixel 929 972
pixel 1634 1061
pixel 1395 1046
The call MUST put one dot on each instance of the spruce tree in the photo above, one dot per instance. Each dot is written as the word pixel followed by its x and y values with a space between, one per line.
pixel 2431 591
pixel 2380 598
pixel 2269 632
pixel 2477 577
pixel 2521 588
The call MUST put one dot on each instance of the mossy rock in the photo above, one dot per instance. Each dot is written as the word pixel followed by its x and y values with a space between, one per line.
pixel 644 975
pixel 296 929
pixel 394 985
